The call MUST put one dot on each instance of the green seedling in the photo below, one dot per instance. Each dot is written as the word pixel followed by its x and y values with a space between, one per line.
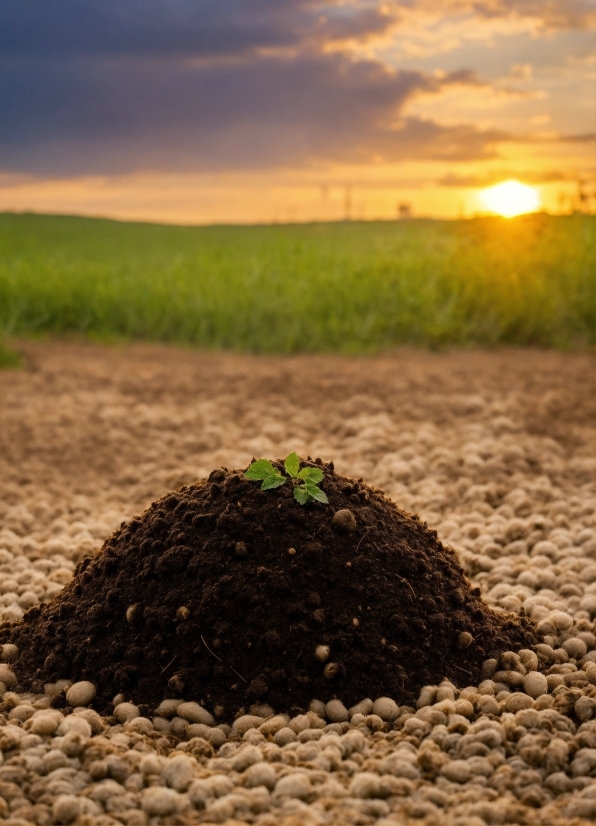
pixel 305 481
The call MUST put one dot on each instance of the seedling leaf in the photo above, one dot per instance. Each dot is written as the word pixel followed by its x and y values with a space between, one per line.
pixel 301 495
pixel 273 482
pixel 311 475
pixel 263 471
pixel 292 465
pixel 316 493
pixel 260 469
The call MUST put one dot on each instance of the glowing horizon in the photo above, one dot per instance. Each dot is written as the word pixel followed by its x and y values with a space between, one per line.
pixel 295 111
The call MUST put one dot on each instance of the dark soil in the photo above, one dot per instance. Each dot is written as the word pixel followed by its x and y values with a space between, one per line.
pixel 234 588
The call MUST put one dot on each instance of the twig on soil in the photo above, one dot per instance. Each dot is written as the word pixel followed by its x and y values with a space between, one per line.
pixel 408 584
pixel 469 673
pixel 168 665
pixel 236 673
pixel 212 652
pixel 362 538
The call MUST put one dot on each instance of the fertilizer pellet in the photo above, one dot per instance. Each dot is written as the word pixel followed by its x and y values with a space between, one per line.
pixel 322 653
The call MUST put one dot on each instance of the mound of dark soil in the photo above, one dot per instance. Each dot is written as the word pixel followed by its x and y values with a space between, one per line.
pixel 222 593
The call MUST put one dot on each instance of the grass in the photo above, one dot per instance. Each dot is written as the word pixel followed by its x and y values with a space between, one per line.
pixel 351 287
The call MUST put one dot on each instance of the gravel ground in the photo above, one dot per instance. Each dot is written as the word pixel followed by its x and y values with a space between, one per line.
pixel 494 450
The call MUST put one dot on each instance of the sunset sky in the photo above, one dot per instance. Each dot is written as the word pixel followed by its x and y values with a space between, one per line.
pixel 281 110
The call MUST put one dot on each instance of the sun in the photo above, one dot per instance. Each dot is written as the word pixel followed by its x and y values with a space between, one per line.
pixel 510 198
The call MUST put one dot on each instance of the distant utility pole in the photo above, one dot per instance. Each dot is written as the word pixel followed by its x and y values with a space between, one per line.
pixel 348 202
pixel 582 195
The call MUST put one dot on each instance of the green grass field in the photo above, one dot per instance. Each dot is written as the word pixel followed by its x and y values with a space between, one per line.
pixel 351 287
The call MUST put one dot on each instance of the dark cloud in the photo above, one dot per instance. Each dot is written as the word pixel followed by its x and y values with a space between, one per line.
pixel 103 86
pixel 84 115
pixel 185 28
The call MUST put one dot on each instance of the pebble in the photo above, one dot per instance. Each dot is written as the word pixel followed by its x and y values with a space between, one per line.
pixel 178 772
pixel 336 711
pixel 294 785
pixel 167 708
pixel 7 676
pixel 81 694
pixel 363 707
pixel 194 713
pixel 284 736
pixel 124 712
pixel 464 640
pixel 385 708
pixel 331 670
pixel 344 520
pixel 535 684
pixel 247 721
pixel 458 771
pixel 322 653
pixel 9 652
pixel 159 802
pixel 260 774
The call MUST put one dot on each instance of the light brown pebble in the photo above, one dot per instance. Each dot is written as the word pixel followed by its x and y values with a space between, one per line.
pixel 322 653
pixel 159 802
pixel 167 708
pixel 126 711
pixel 318 707
pixel 535 684
pixel 195 713
pixel 7 676
pixel 585 708
pixel 247 721
pixel 9 652
pixel 518 701
pixel 336 711
pixel 426 696
pixel 81 694
pixel 489 667
pixel 363 707
pixel 133 614
pixel 330 671
pixel 296 785
pixel 575 648
pixel 284 736
pixel 458 771
pixel 488 705
pixel 385 708
pixel 45 723
pixel 464 640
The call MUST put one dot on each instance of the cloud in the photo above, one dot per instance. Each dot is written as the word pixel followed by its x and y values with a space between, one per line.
pixel 83 115
pixel 105 86
pixel 186 28
pixel 474 181
pixel 553 14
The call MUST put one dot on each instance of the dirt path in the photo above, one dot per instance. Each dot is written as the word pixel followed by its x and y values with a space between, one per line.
pixel 494 449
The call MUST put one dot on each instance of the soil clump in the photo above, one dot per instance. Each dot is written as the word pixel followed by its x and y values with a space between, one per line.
pixel 229 595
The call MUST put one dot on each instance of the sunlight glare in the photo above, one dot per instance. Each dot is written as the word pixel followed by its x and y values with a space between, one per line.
pixel 510 198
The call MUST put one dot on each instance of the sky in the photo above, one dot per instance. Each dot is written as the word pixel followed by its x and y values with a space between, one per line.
pixel 206 111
